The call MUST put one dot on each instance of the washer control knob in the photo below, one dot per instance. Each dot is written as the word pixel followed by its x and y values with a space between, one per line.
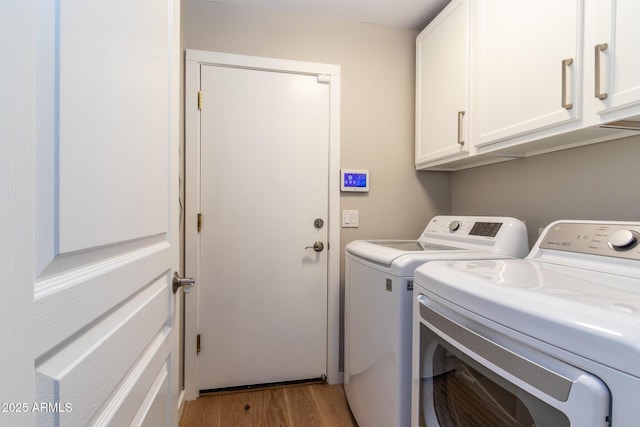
pixel 623 239
pixel 454 226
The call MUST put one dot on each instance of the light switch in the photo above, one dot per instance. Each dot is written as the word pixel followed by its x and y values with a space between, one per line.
pixel 350 218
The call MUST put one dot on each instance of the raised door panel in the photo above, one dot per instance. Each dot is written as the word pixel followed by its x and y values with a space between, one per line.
pixel 517 78
pixel 442 86
pixel 113 121
pixel 615 87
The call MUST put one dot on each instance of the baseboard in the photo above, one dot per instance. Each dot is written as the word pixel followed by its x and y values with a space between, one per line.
pixel 181 402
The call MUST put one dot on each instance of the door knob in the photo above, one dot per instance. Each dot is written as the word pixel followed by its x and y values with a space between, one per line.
pixel 185 282
pixel 317 246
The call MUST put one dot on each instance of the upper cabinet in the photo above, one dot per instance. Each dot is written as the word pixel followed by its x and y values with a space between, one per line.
pixel 543 76
pixel 442 87
pixel 527 67
pixel 613 59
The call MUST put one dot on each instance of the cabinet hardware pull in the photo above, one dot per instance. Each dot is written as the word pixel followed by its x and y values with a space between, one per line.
pixel 460 115
pixel 598 49
pixel 565 64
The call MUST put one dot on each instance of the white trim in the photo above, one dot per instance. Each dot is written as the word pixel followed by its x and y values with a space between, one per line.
pixel 194 59
pixel 258 62
pixel 182 403
pixel 191 209
pixel 333 314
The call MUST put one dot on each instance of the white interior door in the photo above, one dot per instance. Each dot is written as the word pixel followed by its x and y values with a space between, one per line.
pixel 264 182
pixel 104 212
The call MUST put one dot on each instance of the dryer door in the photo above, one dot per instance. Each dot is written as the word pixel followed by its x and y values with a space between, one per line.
pixel 461 376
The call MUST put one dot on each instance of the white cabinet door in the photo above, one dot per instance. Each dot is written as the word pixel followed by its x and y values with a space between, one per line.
pixel 518 67
pixel 612 50
pixel 442 87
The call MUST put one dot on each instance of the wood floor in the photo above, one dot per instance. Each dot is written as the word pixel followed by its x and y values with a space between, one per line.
pixel 312 405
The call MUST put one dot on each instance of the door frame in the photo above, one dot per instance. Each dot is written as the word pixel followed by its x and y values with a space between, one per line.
pixel 194 60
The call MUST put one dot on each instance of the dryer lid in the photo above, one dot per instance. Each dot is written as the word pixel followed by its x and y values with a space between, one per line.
pixel 411 245
pixel 385 252
pixel 592 314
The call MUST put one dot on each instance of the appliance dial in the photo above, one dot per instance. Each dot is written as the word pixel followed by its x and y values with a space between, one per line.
pixel 454 226
pixel 622 240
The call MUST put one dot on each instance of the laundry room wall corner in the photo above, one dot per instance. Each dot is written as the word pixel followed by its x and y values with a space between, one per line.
pixel 590 182
pixel 377 105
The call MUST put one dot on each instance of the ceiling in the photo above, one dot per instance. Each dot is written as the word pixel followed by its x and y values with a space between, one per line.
pixel 407 14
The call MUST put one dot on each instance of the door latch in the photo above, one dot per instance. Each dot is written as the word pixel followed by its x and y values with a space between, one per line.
pixel 184 282
pixel 317 246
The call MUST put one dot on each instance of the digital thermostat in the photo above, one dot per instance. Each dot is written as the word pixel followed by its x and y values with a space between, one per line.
pixel 354 180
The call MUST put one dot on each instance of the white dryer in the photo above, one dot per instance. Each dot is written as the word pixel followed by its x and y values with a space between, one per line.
pixel 551 340
pixel 378 306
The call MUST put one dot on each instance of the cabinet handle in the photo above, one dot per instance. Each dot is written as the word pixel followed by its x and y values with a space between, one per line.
pixel 460 115
pixel 565 64
pixel 598 49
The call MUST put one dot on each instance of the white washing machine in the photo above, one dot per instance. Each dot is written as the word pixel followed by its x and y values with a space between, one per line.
pixel 551 340
pixel 378 306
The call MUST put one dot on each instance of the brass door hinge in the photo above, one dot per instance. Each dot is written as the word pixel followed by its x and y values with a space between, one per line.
pixel 199 100
pixel 198 344
pixel 199 222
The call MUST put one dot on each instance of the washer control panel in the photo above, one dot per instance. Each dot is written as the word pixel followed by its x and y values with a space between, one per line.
pixel 466 226
pixel 619 240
